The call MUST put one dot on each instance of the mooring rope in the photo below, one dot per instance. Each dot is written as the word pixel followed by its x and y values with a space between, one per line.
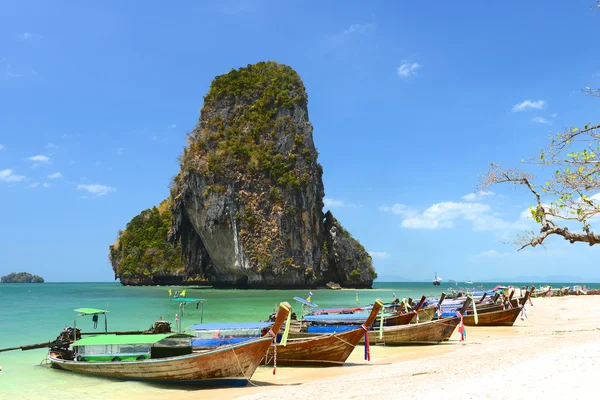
pixel 241 369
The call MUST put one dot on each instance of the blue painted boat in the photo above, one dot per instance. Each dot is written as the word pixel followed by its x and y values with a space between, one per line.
pixel 225 333
pixel 340 318
pixel 330 328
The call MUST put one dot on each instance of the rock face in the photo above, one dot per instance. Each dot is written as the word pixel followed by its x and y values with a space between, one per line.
pixel 248 200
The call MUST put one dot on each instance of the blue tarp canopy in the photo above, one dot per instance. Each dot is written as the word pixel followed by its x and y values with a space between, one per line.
pixel 339 317
pixel 230 325
pixel 305 302
pixel 187 299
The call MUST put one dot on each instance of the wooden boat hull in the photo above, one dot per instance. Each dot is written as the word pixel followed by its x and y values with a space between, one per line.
pixel 398 319
pixel 432 332
pixel 496 318
pixel 318 350
pixel 224 365
pixel 425 315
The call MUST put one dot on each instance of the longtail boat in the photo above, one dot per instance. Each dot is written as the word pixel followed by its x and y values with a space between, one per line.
pixel 505 317
pixel 431 332
pixel 320 350
pixel 166 357
pixel 331 323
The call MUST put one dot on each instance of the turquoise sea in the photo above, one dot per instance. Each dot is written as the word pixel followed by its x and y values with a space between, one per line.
pixel 35 313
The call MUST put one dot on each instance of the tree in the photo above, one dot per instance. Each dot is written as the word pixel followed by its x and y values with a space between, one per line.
pixel 573 191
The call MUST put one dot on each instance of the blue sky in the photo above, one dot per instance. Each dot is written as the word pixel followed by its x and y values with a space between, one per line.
pixel 409 104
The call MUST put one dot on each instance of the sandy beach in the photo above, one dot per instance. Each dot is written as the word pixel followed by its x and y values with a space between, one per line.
pixel 553 353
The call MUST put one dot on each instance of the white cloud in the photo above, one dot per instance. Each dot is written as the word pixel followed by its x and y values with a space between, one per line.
pixel 407 69
pixel 97 189
pixel 359 28
pixel 398 209
pixel 1 147
pixel 55 175
pixel 52 146
pixel 28 36
pixel 339 41
pixel 596 75
pixel 120 151
pixel 7 175
pixel 6 70
pixel 328 202
pixel 527 104
pixel 39 159
pixel 47 185
pixel 379 254
pixel 541 120
pixel 33 185
pixel 442 215
pixel 477 196
pixel 173 126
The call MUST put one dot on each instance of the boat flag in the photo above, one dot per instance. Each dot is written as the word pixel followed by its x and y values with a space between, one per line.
pixel 461 327
pixel 367 343
pixel 394 294
pixel 381 320
pixel 356 297
pixel 475 311
pixel 309 296
pixel 182 294
pixel 288 321
pixel 170 293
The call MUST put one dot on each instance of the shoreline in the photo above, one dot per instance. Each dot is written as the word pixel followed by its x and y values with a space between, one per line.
pixel 553 351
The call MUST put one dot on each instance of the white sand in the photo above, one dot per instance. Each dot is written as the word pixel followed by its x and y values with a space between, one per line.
pixel 555 353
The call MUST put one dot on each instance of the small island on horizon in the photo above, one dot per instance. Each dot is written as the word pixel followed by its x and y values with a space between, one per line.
pixel 21 277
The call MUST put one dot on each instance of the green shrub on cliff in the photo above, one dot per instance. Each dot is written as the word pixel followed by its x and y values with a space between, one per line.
pixel 266 92
pixel 142 249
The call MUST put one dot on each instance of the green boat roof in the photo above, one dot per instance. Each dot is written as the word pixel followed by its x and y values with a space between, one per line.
pixel 89 311
pixel 122 339
pixel 187 299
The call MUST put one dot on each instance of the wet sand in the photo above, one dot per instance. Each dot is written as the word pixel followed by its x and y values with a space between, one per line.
pixel 555 352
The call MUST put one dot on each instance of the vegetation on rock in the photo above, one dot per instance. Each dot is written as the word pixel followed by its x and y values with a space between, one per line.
pixel 21 277
pixel 142 251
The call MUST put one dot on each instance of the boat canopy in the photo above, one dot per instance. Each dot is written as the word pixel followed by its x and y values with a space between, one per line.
pixel 89 311
pixel 103 340
pixel 230 326
pixel 339 317
pixel 187 299
pixel 305 302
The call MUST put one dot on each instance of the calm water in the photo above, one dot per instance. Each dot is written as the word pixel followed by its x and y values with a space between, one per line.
pixel 35 313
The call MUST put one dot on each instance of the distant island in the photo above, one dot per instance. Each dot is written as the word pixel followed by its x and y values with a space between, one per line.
pixel 21 277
